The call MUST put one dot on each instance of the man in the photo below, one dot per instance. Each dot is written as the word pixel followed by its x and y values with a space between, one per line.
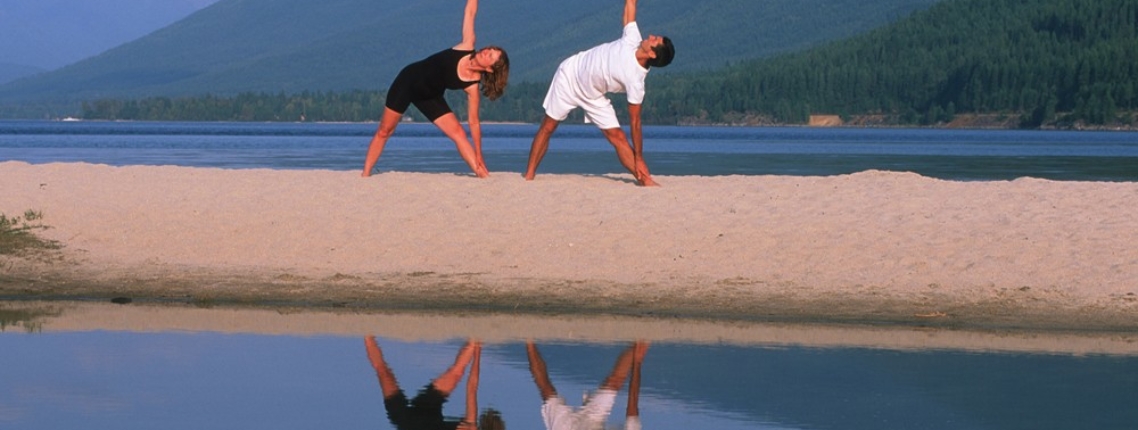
pixel 632 410
pixel 583 80
pixel 558 415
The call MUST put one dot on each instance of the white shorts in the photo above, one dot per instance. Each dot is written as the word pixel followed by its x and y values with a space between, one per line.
pixel 591 415
pixel 632 423
pixel 565 95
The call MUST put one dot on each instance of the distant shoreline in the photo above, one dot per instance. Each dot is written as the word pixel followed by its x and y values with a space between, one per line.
pixel 962 122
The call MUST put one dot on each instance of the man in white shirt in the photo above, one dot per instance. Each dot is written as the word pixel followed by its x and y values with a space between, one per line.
pixel 583 80
pixel 592 414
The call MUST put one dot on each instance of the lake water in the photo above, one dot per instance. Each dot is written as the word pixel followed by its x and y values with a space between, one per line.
pixel 946 154
pixel 101 373
pixel 132 367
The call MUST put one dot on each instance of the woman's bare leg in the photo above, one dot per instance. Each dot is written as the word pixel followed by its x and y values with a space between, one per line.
pixel 453 129
pixel 448 380
pixel 472 386
pixel 382 133
pixel 386 377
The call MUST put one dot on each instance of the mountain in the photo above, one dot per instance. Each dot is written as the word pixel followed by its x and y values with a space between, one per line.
pixel 292 46
pixel 10 72
pixel 48 34
pixel 1054 62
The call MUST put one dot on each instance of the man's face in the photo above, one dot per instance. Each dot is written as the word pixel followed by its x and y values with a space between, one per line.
pixel 651 42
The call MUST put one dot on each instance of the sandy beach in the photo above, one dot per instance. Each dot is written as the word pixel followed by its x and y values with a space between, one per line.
pixel 868 248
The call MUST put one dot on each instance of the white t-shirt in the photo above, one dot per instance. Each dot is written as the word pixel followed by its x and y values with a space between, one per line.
pixel 612 67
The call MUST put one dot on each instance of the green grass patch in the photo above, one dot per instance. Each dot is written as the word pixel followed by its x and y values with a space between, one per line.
pixel 17 234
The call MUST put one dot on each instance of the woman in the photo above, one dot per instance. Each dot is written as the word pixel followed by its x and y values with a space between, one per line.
pixel 423 83
pixel 425 411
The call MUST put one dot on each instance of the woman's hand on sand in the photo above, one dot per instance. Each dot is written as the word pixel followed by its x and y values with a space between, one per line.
pixel 647 181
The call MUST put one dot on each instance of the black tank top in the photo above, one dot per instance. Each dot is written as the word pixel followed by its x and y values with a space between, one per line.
pixel 439 72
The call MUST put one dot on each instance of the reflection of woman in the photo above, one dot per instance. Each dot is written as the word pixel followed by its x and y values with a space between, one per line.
pixel 425 411
pixel 557 415
pixel 423 83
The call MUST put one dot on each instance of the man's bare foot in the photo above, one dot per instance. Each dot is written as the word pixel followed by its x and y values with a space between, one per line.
pixel 640 349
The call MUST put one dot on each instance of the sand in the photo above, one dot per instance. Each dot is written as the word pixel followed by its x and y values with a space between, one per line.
pixel 500 328
pixel 868 248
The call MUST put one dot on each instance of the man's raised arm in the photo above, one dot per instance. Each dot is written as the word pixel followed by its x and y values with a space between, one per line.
pixel 629 11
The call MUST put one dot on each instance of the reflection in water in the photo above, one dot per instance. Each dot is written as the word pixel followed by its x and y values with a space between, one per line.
pixel 190 369
pixel 30 320
pixel 425 411
pixel 557 415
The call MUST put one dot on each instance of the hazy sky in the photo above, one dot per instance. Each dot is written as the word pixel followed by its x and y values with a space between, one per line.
pixel 53 33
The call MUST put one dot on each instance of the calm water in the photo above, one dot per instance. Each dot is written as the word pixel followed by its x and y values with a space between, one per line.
pixel 947 154
pixel 188 379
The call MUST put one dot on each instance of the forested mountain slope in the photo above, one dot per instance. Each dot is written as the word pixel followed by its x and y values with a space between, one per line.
pixel 9 71
pixel 1062 63
pixel 1034 58
pixel 292 46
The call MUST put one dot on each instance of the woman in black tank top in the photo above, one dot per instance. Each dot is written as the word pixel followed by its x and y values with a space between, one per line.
pixel 423 83
pixel 426 80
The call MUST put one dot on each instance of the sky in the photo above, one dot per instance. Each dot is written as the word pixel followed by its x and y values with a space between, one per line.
pixel 49 34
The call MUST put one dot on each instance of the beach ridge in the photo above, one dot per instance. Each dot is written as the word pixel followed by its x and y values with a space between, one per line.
pixel 870 247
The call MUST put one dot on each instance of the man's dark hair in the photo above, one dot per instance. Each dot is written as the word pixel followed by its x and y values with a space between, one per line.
pixel 664 54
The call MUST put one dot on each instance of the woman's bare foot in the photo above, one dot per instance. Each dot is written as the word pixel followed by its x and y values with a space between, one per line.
pixel 647 181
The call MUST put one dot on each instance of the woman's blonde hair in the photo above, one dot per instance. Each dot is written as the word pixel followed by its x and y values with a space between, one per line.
pixel 491 419
pixel 494 82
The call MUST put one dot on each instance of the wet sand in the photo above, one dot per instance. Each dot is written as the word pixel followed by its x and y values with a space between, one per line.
pixel 71 317
pixel 869 248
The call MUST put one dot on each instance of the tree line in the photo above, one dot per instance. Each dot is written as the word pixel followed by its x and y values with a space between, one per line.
pixel 1032 58
pixel 1044 61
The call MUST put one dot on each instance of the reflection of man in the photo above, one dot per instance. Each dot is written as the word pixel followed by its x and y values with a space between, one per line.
pixel 557 415
pixel 632 411
pixel 425 411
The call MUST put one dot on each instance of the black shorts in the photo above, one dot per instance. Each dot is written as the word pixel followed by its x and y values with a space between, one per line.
pixel 425 411
pixel 407 90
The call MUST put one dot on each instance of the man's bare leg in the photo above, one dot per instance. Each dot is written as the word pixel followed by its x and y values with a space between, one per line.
pixel 540 145
pixel 627 158
pixel 633 408
pixel 539 372
pixel 620 370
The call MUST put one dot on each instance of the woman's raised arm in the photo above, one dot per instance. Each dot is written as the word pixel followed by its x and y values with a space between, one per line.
pixel 468 26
